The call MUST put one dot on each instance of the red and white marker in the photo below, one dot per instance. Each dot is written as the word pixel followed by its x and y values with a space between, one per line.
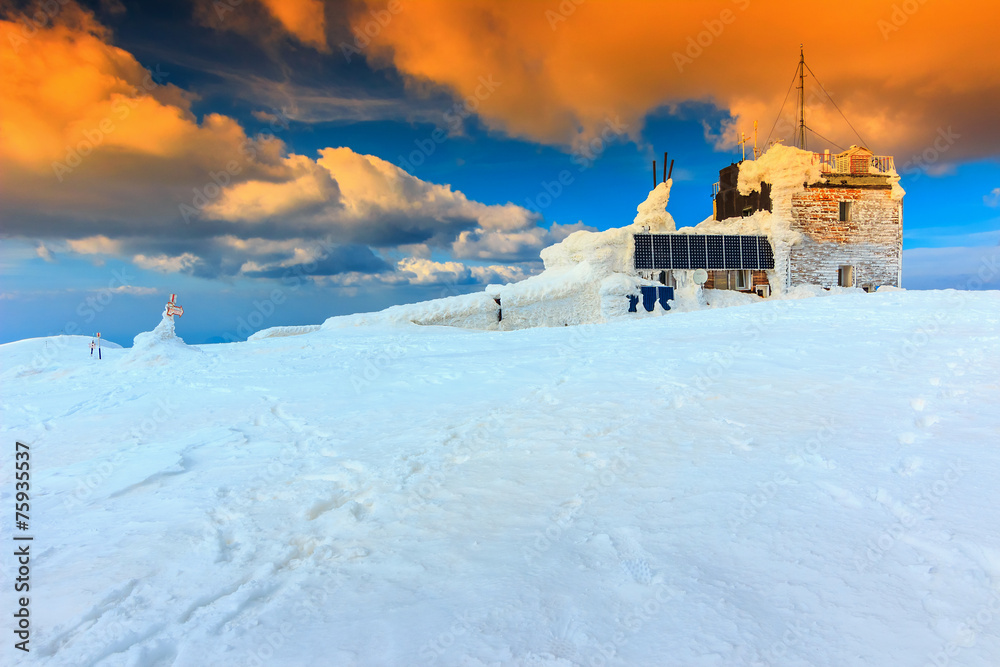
pixel 172 307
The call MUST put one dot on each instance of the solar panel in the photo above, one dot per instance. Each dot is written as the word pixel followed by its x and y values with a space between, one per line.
pixel 648 297
pixel 643 251
pixel 715 258
pixel 699 251
pixel 749 248
pixel 697 246
pixel 766 253
pixel 679 251
pixel 661 251
pixel 732 247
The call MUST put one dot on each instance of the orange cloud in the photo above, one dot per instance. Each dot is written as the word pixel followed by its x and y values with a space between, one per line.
pixel 106 155
pixel 303 18
pixel 901 71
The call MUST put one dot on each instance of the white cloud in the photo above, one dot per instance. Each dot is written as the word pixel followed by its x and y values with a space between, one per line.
pixel 134 290
pixel 428 272
pixel 166 263
pixel 993 198
pixel 522 244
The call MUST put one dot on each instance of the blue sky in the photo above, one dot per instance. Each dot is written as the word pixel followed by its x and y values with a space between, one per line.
pixel 104 252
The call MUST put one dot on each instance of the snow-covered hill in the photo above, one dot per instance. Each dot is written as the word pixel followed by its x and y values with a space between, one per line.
pixel 799 482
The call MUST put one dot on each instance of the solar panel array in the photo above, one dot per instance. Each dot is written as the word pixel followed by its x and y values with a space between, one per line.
pixel 699 251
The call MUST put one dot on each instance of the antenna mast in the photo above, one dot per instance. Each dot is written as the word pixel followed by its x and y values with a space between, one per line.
pixel 802 99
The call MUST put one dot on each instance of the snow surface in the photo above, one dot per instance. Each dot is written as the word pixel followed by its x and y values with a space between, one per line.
pixel 793 482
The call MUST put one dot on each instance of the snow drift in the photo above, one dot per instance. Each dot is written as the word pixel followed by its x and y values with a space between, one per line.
pixel 160 346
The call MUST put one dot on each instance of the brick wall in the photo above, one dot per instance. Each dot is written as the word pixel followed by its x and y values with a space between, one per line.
pixel 871 241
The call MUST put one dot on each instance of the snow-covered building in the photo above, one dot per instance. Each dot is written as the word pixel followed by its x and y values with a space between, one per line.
pixel 830 220
pixel 789 218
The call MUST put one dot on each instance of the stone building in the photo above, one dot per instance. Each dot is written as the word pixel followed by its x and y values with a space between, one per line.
pixel 850 219
pixel 825 219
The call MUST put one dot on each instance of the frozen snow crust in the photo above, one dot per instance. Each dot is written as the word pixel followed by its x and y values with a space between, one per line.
pixel 800 482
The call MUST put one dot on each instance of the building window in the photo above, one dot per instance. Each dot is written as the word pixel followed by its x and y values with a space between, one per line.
pixel 845 276
pixel 845 211
pixel 731 280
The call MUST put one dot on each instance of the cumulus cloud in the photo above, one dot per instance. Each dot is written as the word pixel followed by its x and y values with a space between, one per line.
pixel 108 158
pixel 522 244
pixel 429 272
pixel 564 68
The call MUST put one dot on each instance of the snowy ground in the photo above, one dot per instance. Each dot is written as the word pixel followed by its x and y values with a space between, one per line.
pixel 806 482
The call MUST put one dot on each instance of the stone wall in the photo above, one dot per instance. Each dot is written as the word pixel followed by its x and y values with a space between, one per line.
pixel 871 241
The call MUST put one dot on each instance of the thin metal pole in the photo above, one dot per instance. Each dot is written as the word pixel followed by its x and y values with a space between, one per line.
pixel 802 99
pixel 664 166
pixel 654 174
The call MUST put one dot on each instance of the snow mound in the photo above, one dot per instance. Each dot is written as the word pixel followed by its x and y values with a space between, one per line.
pixel 653 212
pixel 48 354
pixel 474 311
pixel 279 332
pixel 159 346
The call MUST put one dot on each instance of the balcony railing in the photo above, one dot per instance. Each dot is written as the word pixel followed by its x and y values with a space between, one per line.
pixel 854 164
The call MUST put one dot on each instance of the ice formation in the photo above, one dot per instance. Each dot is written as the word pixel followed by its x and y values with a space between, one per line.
pixel 159 346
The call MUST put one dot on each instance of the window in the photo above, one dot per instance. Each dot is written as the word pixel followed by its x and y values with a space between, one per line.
pixel 845 276
pixel 732 280
pixel 747 212
pixel 845 211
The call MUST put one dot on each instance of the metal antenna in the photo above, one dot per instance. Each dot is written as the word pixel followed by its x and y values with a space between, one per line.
pixel 802 99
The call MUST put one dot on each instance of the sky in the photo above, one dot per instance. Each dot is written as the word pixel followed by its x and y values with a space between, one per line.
pixel 278 162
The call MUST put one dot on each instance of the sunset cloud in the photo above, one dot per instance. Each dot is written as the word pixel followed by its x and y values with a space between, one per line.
pixel 305 19
pixel 108 157
pixel 900 71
